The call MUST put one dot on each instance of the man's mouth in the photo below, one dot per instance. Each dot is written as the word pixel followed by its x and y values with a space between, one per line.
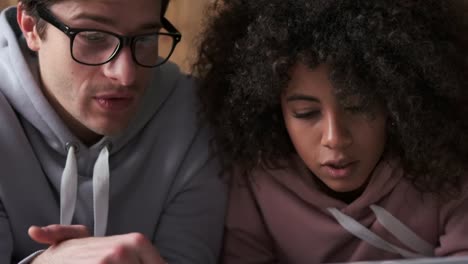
pixel 114 102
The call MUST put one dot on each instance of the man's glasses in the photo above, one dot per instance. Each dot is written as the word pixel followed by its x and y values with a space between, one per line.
pixel 96 47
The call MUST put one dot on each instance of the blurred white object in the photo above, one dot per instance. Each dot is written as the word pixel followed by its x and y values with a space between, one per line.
pixel 444 260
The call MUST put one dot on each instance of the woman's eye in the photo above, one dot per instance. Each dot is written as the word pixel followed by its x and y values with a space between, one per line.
pixel 306 115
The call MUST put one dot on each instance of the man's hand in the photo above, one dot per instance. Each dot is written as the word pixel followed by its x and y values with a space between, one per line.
pixel 54 234
pixel 71 244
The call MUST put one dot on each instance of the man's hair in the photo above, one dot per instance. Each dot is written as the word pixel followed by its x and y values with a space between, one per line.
pixel 30 6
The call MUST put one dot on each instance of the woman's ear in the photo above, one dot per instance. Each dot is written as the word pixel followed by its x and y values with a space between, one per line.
pixel 27 23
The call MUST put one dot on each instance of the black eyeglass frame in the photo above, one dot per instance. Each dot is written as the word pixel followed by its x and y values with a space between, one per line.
pixel 71 33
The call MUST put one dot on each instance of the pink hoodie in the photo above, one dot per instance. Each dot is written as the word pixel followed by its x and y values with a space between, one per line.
pixel 282 217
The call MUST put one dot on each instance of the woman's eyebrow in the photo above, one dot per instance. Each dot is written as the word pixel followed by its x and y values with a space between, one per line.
pixel 301 97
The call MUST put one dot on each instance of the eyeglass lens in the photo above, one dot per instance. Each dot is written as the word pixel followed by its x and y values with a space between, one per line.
pixel 96 47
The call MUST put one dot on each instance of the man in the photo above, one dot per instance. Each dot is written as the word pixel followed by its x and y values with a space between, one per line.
pixel 99 135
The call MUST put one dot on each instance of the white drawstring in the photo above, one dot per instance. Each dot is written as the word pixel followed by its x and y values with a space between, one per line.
pixel 402 232
pixel 101 192
pixel 395 228
pixel 69 185
pixel 68 188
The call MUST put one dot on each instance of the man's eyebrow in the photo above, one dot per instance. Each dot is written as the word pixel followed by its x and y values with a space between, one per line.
pixel 301 97
pixel 108 21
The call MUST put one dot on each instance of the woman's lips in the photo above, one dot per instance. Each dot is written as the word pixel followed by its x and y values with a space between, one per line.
pixel 339 169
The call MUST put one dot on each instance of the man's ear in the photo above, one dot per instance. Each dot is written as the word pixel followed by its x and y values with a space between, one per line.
pixel 27 23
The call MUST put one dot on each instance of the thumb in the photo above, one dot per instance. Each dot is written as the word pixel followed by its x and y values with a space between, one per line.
pixel 54 234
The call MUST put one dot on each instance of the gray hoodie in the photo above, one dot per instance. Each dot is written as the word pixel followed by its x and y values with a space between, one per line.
pixel 161 179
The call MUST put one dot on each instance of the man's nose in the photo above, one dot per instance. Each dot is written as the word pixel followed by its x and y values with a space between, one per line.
pixel 122 68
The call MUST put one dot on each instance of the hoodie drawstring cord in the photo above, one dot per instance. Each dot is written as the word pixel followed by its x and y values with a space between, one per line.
pixel 402 232
pixel 68 188
pixel 101 192
pixel 69 185
pixel 422 248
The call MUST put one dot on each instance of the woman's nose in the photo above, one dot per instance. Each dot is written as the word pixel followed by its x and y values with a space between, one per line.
pixel 336 133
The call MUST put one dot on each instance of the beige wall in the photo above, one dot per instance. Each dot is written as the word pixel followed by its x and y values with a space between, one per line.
pixel 4 3
pixel 186 15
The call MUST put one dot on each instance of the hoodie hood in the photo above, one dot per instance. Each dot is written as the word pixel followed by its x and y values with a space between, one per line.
pixel 19 74
pixel 20 77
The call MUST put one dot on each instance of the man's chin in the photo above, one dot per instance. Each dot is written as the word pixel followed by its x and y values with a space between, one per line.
pixel 111 130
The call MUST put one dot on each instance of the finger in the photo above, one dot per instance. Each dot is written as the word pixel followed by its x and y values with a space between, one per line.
pixel 54 234
pixel 123 254
pixel 146 252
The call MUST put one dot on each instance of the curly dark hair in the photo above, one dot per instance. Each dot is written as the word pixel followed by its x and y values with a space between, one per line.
pixel 409 55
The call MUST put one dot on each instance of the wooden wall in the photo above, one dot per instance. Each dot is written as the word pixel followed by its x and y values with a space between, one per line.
pixel 4 3
pixel 186 16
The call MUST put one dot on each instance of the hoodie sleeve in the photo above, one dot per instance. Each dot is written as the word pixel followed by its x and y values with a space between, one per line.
pixel 246 239
pixel 191 228
pixel 454 228
pixel 6 241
